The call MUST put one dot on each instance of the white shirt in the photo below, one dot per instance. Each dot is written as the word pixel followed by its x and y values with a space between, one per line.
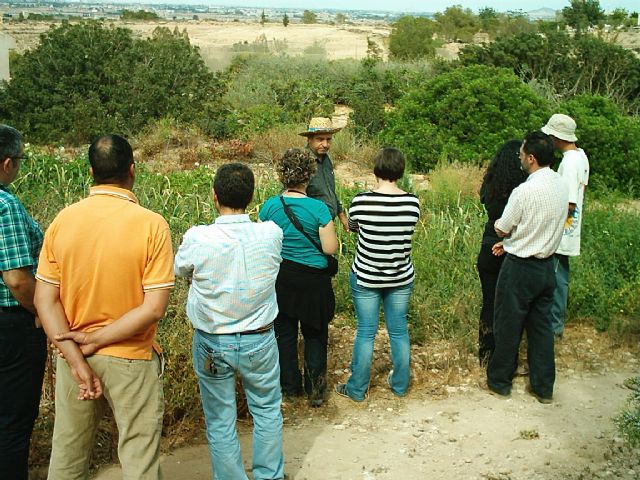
pixel 233 265
pixel 574 168
pixel 534 216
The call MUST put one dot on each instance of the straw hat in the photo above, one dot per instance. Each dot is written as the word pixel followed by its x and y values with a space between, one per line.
pixel 319 125
pixel 562 127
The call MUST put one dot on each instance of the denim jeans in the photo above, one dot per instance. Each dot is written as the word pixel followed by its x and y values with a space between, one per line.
pixel 23 353
pixel 254 357
pixel 560 294
pixel 395 302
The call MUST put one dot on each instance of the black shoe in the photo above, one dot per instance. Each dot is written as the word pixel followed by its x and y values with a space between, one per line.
pixel 484 385
pixel 544 400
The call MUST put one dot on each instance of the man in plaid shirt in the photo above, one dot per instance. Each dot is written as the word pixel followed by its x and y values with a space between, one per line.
pixel 23 348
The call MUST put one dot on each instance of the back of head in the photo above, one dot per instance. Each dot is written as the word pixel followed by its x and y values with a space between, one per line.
pixel 504 172
pixel 110 157
pixel 388 164
pixel 10 142
pixel 295 167
pixel 233 185
pixel 540 145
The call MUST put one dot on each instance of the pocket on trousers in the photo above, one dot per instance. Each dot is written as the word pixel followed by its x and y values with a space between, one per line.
pixel 263 358
pixel 212 363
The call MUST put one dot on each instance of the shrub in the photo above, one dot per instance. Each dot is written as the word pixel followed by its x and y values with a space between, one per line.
pixel 573 65
pixel 86 79
pixel 412 37
pixel 611 140
pixel 463 115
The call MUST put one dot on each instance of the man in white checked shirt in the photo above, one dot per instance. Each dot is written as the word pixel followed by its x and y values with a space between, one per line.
pixel 233 265
pixel 532 225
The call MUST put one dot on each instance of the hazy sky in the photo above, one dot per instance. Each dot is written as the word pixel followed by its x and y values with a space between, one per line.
pixel 415 5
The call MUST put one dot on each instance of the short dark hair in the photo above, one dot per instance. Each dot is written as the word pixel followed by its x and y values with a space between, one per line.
pixel 110 157
pixel 388 164
pixel 10 143
pixel 233 184
pixel 540 145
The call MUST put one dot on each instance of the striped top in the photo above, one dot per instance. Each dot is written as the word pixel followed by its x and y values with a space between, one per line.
pixel 385 225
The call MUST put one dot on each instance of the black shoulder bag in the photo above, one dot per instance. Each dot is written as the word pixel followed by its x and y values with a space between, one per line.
pixel 332 262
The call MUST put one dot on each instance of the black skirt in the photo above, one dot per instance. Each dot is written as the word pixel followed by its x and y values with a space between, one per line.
pixel 305 293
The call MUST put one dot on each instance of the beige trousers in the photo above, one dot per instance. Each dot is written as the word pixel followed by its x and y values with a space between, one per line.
pixel 133 391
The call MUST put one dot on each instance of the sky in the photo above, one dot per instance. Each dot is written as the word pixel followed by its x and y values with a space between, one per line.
pixel 413 5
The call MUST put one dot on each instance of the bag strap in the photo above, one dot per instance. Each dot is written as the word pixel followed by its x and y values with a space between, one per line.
pixel 296 223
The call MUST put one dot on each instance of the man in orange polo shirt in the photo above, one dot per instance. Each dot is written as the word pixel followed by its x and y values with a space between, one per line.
pixel 103 283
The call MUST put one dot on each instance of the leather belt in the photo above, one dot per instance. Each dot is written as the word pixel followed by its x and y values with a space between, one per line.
pixel 266 328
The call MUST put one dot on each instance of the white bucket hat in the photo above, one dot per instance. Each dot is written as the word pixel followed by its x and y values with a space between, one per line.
pixel 562 127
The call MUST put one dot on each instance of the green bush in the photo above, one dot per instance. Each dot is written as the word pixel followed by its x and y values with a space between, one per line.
pixel 86 79
pixel 580 64
pixel 412 37
pixel 611 140
pixel 463 115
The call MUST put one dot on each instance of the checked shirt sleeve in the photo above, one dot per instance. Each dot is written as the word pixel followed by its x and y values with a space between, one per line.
pixel 15 243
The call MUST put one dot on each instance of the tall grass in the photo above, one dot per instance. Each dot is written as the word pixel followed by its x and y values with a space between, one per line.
pixel 605 279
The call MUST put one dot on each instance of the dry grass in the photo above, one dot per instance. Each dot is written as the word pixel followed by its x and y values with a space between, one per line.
pixel 456 180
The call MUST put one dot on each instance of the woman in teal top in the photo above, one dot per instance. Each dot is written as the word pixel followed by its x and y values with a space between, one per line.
pixel 305 295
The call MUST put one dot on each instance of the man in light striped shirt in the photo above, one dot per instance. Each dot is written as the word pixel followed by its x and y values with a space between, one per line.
pixel 532 225
pixel 233 265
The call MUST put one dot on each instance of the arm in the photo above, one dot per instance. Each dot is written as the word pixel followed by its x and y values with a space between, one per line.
pixel 328 239
pixel 22 284
pixel 344 221
pixel 134 321
pixel 54 321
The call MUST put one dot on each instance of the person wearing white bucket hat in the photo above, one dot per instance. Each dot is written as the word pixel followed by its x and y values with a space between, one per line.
pixel 574 168
pixel 322 184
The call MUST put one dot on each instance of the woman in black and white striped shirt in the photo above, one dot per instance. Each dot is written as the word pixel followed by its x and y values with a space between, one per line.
pixel 382 272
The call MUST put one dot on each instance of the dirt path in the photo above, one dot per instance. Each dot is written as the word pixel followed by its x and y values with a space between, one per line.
pixel 469 435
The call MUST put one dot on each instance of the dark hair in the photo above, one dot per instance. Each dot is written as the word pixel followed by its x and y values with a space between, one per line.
pixel 10 143
pixel 540 145
pixel 234 185
pixel 504 173
pixel 110 157
pixel 388 164
pixel 295 167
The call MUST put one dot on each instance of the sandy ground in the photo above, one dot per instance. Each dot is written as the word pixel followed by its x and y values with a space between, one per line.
pixel 469 435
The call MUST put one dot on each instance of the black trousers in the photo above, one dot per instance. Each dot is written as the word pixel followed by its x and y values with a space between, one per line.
pixel 524 294
pixel 23 353
pixel 315 356
pixel 488 269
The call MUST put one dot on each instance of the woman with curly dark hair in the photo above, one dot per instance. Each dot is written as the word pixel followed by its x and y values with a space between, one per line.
pixel 303 287
pixel 503 175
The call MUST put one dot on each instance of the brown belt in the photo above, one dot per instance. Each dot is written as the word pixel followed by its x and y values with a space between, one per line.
pixel 266 328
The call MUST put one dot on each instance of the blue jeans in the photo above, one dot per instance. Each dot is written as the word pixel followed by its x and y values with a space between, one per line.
pixel 395 302
pixel 23 353
pixel 254 357
pixel 560 294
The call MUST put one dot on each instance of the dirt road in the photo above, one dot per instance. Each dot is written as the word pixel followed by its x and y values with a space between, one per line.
pixel 469 435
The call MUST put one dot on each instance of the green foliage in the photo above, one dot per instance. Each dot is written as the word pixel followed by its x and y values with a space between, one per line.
pixel 143 15
pixel 309 17
pixel 285 20
pixel 628 422
pixel 317 48
pixel 340 18
pixel 611 140
pixel 366 98
pixel 411 38
pixel 41 17
pixel 263 18
pixel 456 24
pixel 463 115
pixel 582 14
pixel 572 65
pixel 85 79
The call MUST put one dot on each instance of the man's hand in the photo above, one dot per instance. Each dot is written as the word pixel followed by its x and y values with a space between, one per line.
pixel 89 384
pixel 86 342
pixel 498 249
pixel 344 221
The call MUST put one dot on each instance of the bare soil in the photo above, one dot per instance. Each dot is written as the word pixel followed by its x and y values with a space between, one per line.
pixel 448 428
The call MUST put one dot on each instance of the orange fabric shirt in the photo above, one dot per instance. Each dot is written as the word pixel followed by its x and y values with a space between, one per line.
pixel 104 253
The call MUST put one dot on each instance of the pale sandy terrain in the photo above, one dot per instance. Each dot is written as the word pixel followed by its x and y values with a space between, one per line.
pixel 470 435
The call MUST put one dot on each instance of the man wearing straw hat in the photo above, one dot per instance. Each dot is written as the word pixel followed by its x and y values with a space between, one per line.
pixel 574 168
pixel 323 183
